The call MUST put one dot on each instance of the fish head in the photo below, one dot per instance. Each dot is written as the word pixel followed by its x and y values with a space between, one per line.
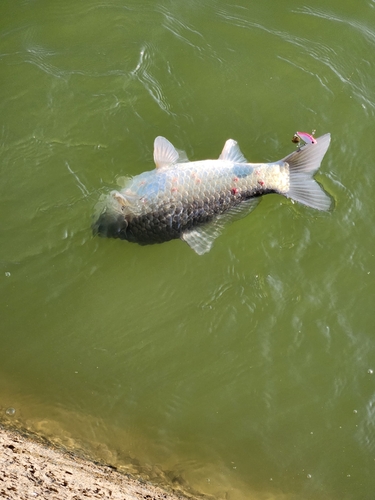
pixel 110 217
pixel 108 226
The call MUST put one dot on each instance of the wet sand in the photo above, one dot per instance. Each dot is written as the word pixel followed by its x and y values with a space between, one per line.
pixel 30 469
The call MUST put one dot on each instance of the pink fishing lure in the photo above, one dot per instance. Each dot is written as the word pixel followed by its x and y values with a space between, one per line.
pixel 305 137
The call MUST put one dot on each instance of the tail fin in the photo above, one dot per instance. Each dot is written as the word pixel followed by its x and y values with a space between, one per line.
pixel 303 164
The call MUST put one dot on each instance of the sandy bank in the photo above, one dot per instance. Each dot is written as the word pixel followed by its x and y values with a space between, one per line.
pixel 30 469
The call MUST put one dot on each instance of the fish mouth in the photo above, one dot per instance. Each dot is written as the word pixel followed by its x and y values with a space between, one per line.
pixel 109 225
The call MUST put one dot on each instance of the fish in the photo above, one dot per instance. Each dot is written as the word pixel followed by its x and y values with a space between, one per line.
pixel 194 200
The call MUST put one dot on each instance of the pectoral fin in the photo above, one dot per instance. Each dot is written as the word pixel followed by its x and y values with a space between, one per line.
pixel 123 180
pixel 126 200
pixel 119 198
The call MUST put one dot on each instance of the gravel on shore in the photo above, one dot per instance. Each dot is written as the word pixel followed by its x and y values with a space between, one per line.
pixel 30 469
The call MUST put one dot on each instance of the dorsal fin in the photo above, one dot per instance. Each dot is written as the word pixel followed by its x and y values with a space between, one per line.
pixel 165 153
pixel 201 238
pixel 232 152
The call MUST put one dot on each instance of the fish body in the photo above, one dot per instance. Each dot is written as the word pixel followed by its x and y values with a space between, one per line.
pixel 194 200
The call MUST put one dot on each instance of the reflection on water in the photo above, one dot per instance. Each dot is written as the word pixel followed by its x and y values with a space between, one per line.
pixel 244 373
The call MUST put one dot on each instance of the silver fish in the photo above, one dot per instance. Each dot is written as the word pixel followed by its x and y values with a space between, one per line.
pixel 193 200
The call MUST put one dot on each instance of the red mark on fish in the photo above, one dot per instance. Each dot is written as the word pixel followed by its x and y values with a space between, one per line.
pixel 234 191
pixel 261 183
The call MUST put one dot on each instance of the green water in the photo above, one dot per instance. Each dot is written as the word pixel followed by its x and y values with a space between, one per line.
pixel 244 373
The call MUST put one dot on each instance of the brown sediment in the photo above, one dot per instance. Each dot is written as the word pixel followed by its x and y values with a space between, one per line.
pixel 31 468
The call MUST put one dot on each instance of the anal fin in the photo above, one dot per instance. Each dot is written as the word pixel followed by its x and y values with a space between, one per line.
pixel 232 152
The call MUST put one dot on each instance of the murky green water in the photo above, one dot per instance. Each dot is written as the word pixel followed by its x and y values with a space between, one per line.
pixel 244 373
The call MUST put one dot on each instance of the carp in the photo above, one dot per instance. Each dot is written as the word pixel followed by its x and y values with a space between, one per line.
pixel 193 200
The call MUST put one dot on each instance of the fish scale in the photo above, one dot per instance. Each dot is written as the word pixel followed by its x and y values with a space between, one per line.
pixel 193 200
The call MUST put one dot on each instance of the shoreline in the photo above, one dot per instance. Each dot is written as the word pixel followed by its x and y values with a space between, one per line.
pixel 32 467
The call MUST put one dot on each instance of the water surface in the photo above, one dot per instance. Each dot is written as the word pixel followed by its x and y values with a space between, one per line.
pixel 244 373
